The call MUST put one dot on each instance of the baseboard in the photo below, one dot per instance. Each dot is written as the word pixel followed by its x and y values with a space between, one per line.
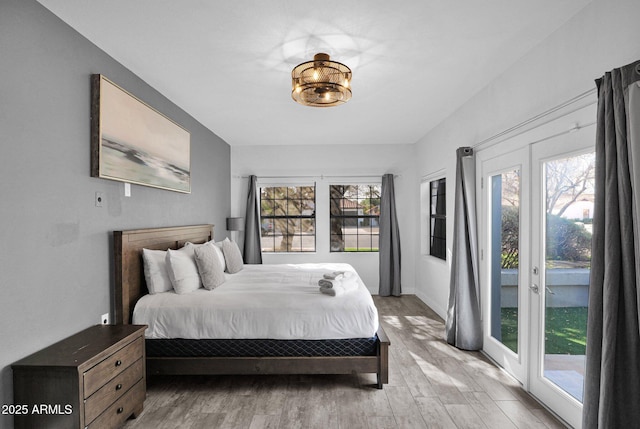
pixel 442 312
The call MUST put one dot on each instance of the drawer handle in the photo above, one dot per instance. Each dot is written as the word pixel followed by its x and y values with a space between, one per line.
pixel 118 362
pixel 120 410
pixel 119 386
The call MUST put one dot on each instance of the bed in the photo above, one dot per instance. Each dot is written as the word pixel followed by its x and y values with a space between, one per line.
pixel 217 356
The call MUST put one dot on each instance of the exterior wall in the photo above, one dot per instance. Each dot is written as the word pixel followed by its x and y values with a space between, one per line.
pixel 567 287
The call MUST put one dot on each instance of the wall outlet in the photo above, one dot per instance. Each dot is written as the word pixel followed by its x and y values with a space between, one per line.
pixel 104 319
pixel 99 199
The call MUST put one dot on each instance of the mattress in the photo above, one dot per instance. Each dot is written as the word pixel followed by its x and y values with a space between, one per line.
pixel 278 301
pixel 261 348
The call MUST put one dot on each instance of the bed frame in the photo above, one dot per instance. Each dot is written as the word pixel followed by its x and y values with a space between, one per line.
pixel 130 286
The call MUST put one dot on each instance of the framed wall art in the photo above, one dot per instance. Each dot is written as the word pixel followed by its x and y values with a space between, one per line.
pixel 132 142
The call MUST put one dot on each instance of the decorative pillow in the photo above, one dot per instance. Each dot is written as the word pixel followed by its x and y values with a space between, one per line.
pixel 232 256
pixel 155 271
pixel 182 269
pixel 209 266
pixel 218 249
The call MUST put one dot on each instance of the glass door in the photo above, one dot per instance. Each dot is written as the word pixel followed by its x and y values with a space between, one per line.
pixel 505 258
pixel 563 199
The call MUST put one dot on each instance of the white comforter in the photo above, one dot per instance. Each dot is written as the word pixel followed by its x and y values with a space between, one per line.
pixel 262 301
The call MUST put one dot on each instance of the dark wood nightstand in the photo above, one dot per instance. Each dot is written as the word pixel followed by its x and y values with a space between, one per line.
pixel 95 379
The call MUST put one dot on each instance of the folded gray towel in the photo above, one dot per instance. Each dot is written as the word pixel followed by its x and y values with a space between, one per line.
pixel 327 284
pixel 328 291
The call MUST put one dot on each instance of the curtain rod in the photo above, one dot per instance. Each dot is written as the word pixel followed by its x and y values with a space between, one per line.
pixel 321 176
pixel 538 117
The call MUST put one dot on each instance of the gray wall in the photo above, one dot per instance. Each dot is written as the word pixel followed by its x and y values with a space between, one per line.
pixel 55 253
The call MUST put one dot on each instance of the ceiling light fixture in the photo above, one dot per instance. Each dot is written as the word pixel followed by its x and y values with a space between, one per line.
pixel 321 82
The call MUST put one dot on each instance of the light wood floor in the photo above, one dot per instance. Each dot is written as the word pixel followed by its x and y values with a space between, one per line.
pixel 431 385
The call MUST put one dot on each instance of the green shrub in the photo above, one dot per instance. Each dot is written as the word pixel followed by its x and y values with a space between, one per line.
pixel 566 240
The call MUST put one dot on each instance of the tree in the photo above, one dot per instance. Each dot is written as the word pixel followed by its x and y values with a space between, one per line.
pixel 344 200
pixel 289 211
pixel 567 179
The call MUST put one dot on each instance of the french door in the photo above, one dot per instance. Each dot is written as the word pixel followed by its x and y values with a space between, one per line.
pixel 536 212
pixel 505 259
pixel 563 200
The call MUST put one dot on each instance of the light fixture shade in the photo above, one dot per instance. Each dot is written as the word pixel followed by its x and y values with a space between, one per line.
pixel 235 224
pixel 321 82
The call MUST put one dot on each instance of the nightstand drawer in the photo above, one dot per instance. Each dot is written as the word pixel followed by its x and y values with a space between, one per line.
pixel 117 414
pixel 111 391
pixel 109 368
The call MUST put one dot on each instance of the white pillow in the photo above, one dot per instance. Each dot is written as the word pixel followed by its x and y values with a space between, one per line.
pixel 232 256
pixel 217 248
pixel 182 269
pixel 209 266
pixel 155 271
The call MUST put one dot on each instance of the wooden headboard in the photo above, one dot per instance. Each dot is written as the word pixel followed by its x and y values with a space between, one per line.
pixel 129 272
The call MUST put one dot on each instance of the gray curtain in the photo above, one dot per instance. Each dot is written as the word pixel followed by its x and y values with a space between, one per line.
pixel 612 378
pixel 252 253
pixel 389 248
pixel 463 327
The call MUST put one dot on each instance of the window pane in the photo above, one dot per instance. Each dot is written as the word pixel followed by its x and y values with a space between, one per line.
pixel 364 243
pixel 280 193
pixel 293 207
pixel 279 207
pixel 570 198
pixel 267 193
pixel 438 220
pixel 335 207
pixel 337 239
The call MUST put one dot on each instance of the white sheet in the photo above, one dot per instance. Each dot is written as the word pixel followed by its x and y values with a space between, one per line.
pixel 262 301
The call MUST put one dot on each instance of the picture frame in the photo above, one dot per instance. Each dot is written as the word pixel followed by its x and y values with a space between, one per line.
pixel 134 143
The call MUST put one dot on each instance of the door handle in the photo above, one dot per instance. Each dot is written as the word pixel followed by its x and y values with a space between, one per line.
pixel 534 287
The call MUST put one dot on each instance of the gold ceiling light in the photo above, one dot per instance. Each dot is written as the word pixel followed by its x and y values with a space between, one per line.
pixel 321 82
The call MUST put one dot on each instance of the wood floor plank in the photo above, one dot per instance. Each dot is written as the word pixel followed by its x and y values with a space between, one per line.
pixel 261 421
pixel 431 385
pixel 488 411
pixel 464 416
pixel 520 415
pixel 434 414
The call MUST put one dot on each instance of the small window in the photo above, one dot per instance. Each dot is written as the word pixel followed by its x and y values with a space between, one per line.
pixel 438 218
pixel 288 218
pixel 355 217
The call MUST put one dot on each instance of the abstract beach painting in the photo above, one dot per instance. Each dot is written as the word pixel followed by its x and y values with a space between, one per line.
pixel 132 142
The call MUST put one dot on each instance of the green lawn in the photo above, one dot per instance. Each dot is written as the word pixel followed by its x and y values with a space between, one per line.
pixel 566 330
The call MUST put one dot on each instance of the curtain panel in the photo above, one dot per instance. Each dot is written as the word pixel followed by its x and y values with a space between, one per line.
pixel 464 327
pixel 252 253
pixel 612 378
pixel 389 248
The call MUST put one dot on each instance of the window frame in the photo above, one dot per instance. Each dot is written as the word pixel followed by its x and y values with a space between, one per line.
pixel 288 218
pixel 441 251
pixel 373 219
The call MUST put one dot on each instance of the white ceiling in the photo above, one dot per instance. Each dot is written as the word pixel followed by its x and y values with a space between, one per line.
pixel 228 63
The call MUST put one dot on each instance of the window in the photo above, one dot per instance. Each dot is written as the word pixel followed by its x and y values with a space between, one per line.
pixel 288 218
pixel 355 216
pixel 438 218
